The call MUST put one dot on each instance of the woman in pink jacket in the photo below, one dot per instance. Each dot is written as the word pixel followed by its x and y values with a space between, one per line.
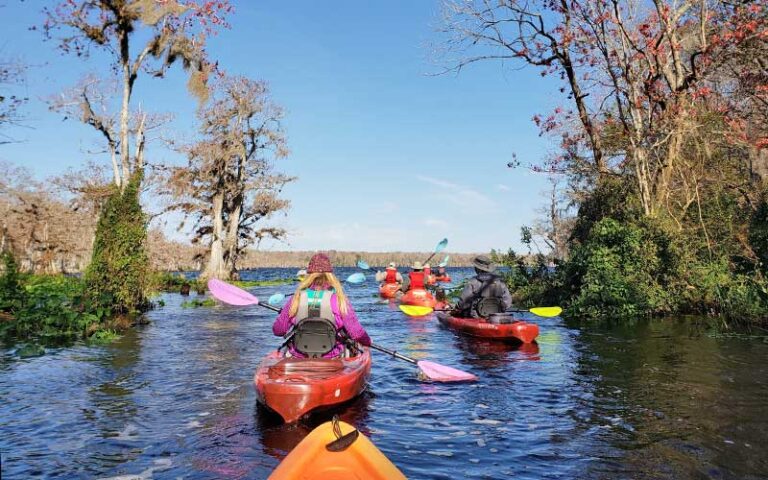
pixel 320 295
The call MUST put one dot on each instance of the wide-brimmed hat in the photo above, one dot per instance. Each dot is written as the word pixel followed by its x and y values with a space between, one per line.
pixel 483 263
pixel 392 265
pixel 320 263
pixel 417 266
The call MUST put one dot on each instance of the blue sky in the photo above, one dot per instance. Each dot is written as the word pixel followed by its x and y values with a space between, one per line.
pixel 388 156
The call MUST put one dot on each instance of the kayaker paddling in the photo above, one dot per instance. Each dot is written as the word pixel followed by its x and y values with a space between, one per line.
pixel 391 280
pixel 321 315
pixel 485 293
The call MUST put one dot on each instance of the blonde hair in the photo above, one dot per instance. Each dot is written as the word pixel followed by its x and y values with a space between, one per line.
pixel 319 280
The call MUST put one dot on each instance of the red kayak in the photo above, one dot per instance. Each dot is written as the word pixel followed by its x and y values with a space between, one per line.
pixel 293 387
pixel 443 279
pixel 389 290
pixel 479 327
pixel 418 297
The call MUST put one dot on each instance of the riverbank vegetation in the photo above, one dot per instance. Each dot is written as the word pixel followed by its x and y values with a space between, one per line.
pixel 659 193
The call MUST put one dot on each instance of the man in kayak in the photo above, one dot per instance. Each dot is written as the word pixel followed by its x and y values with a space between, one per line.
pixel 320 299
pixel 390 275
pixel 417 278
pixel 485 293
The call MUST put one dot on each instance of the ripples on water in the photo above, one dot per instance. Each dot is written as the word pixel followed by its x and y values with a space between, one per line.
pixel 648 400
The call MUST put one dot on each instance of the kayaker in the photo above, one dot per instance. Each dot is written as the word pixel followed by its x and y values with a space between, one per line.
pixel 417 277
pixel 441 273
pixel 483 293
pixel 390 275
pixel 320 295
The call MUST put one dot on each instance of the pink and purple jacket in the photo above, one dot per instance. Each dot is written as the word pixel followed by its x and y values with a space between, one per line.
pixel 348 322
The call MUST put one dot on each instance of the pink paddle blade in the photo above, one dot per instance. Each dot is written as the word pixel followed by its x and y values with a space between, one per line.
pixel 230 294
pixel 441 373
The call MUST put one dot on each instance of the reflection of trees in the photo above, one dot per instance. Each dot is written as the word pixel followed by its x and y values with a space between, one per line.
pixel 670 400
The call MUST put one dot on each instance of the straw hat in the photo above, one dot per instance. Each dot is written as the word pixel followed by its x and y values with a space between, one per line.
pixel 392 265
pixel 417 266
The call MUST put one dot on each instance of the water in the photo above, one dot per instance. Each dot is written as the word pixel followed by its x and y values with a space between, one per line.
pixel 175 399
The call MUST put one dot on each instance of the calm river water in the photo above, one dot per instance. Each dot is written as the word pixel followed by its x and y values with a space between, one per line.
pixel 175 399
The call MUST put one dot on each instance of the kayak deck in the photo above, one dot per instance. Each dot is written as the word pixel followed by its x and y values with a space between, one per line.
pixel 389 290
pixel 293 387
pixel 316 458
pixel 519 330
pixel 418 297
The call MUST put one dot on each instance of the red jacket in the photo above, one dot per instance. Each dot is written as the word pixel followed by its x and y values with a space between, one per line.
pixel 417 280
pixel 391 276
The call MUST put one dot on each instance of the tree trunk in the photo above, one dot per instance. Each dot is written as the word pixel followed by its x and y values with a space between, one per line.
pixel 216 267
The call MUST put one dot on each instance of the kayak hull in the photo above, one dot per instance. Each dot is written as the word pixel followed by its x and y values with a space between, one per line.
pixel 389 290
pixel 519 330
pixel 443 279
pixel 418 297
pixel 311 460
pixel 294 387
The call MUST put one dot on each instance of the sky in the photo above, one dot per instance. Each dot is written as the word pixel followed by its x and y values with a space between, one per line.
pixel 388 155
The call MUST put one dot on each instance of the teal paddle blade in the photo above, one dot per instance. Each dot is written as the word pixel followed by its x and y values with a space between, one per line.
pixel 276 300
pixel 362 265
pixel 356 278
pixel 445 261
pixel 441 246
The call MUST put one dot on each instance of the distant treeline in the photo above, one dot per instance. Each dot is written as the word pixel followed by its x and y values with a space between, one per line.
pixel 256 259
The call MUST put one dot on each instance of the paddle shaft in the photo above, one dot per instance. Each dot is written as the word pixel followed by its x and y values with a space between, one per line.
pixel 393 353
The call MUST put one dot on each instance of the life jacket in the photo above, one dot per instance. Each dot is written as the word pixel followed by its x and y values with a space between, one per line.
pixel 417 280
pixel 427 271
pixel 316 329
pixel 391 275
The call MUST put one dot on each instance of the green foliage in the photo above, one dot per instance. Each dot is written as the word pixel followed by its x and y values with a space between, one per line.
pixel 173 283
pixel 103 337
pixel 118 274
pixel 11 291
pixel 195 303
pixel 758 234
pixel 55 307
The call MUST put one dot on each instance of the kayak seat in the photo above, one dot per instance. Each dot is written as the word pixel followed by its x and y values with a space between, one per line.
pixel 501 319
pixel 315 336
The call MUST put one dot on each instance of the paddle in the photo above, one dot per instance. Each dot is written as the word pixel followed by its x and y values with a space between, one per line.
pixel 418 311
pixel 434 371
pixel 444 263
pixel 277 299
pixel 439 248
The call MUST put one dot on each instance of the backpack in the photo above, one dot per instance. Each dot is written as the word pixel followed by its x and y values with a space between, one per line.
pixel 485 303
pixel 315 333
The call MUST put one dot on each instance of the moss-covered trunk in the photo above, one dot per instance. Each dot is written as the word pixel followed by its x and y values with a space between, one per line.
pixel 118 272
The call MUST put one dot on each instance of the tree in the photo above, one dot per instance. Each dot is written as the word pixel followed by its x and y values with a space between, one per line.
pixel 230 187
pixel 175 32
pixel 138 36
pixel 12 74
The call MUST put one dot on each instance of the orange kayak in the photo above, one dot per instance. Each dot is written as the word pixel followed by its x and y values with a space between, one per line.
pixel 443 279
pixel 293 387
pixel 389 290
pixel 323 455
pixel 418 297
pixel 479 327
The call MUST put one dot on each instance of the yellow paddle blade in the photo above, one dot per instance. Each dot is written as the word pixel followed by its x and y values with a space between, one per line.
pixel 546 311
pixel 415 311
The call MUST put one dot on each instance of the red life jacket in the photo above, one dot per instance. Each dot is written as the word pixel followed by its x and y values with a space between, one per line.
pixel 417 280
pixel 391 276
pixel 427 271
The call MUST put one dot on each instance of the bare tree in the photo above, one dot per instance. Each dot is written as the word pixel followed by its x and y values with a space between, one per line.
pixel 140 36
pixel 230 187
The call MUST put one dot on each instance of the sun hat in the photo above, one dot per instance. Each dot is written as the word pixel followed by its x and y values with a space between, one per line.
pixel 483 263
pixel 392 265
pixel 417 266
pixel 320 263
